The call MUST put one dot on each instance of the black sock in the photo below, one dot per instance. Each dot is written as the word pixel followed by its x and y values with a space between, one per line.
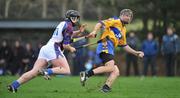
pixel 106 87
pixel 90 73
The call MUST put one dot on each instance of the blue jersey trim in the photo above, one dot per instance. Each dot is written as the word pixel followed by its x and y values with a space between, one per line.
pixel 115 17
pixel 117 32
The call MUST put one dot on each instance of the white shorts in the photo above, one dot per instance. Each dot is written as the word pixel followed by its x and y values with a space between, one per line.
pixel 50 51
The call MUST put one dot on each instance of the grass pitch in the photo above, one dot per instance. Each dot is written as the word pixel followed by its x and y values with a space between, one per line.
pixel 69 87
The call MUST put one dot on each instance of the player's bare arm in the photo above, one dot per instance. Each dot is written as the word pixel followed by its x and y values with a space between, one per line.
pixel 94 32
pixel 134 52
pixel 81 30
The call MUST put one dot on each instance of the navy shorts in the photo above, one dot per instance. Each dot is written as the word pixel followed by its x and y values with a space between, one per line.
pixel 105 57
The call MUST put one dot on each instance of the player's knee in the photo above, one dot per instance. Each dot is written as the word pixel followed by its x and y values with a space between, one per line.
pixel 110 68
pixel 68 72
pixel 116 72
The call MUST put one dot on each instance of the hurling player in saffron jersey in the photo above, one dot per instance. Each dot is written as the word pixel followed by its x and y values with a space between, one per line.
pixel 115 29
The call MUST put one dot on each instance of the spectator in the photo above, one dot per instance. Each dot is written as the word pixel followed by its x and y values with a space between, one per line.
pixel 150 49
pixel 80 57
pixel 89 64
pixel 39 45
pixel 93 61
pixel 29 58
pixel 132 41
pixel 169 50
pixel 18 54
pixel 5 57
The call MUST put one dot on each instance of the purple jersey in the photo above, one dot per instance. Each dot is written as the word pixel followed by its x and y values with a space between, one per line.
pixel 63 33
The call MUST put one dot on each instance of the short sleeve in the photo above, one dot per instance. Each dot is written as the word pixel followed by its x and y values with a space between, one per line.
pixel 108 23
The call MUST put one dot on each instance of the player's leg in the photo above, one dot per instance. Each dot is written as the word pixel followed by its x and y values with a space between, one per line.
pixel 109 67
pixel 60 66
pixel 39 64
pixel 104 51
pixel 112 77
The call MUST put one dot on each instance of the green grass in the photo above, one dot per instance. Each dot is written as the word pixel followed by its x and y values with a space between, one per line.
pixel 69 87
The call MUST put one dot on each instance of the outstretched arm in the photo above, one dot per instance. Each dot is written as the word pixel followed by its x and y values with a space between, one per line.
pixel 134 52
pixel 81 29
pixel 94 32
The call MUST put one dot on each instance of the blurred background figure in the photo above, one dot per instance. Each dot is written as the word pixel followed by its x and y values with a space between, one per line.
pixel 80 57
pixel 131 59
pixel 5 57
pixel 29 58
pixel 150 49
pixel 89 64
pixel 169 50
pixel 18 54
pixel 37 49
pixel 93 60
